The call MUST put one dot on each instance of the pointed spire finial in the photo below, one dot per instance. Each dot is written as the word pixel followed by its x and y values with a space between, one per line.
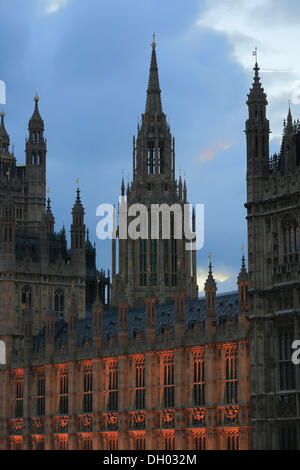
pixel 153 102
pixel 210 281
pixel 243 257
pixel 3 133
pixel 36 121
pixel 289 121
pixel 153 42
pixel 210 265
pixel 243 276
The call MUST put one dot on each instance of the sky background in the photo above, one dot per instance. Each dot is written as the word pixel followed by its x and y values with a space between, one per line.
pixel 89 62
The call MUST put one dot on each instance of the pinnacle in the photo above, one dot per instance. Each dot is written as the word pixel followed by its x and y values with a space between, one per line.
pixel 257 91
pixel 153 103
pixel 210 281
pixel 3 132
pixel 243 275
pixel 36 121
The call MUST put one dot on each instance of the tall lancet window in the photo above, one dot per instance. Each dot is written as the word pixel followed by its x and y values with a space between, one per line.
pixel 150 159
pixel 290 242
pixel 173 252
pixel 287 371
pixel 88 387
pixel 41 392
pixel 153 257
pixel 161 159
pixel 113 392
pixel 63 397
pixel 166 262
pixel 168 381
pixel 59 302
pixel 198 379
pixel 140 383
pixel 231 375
pixel 143 262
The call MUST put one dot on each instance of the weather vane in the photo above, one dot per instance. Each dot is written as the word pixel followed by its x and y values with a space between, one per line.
pixel 77 182
pixel 242 249
pixel 209 255
pixel 255 53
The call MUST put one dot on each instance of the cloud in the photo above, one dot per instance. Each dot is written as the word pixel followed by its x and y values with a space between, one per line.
pixel 54 5
pixel 220 275
pixel 209 153
pixel 272 26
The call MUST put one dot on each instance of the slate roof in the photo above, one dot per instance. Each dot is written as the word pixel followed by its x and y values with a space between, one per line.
pixel 226 306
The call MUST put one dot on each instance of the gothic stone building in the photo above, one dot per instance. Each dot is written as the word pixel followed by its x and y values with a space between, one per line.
pixel 273 215
pixel 154 367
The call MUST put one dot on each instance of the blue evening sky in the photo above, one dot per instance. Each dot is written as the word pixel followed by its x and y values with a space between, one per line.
pixel 89 62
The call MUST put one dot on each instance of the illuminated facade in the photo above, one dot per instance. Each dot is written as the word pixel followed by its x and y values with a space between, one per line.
pixel 155 368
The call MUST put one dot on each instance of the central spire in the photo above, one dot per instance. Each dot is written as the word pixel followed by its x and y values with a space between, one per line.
pixel 153 103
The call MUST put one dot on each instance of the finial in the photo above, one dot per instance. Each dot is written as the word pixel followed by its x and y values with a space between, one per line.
pixel 2 114
pixel 48 205
pixel 153 43
pixel 48 192
pixel 255 54
pixel 243 257
pixel 77 182
pixel 36 98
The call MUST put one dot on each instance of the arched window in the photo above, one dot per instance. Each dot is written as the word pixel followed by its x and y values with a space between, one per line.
pixel 59 302
pixel 161 159
pixel 38 159
pixel 26 297
pixel 2 352
pixel 33 158
pixel 290 241
pixel 150 159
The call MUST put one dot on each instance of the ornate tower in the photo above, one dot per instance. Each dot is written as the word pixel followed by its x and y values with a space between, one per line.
pixel 159 263
pixel 36 167
pixel 273 216
pixel 78 252
pixel 78 237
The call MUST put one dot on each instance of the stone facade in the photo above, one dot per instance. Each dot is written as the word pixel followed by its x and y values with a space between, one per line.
pixel 273 216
